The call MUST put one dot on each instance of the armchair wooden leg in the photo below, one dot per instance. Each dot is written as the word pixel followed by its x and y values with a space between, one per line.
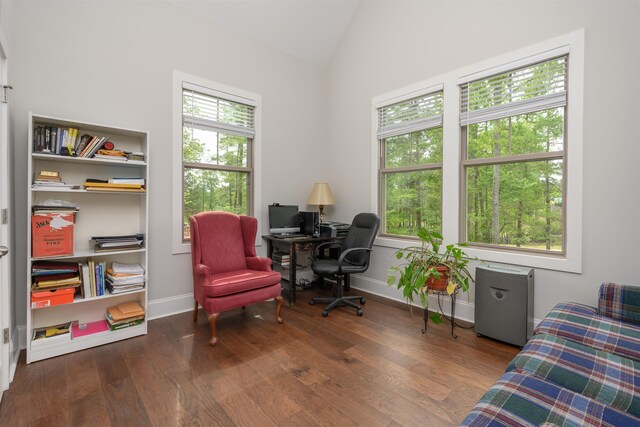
pixel 279 308
pixel 195 313
pixel 212 321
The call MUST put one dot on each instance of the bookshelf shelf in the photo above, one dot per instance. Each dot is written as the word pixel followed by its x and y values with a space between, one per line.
pixel 81 191
pixel 100 213
pixel 88 253
pixel 90 299
pixel 45 351
pixel 67 159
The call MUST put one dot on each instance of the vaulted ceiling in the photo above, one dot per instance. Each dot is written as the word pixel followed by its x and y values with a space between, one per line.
pixel 308 29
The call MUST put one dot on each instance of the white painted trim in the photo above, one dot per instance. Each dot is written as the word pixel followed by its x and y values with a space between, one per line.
pixel 221 90
pixel 22 336
pixel 169 306
pixel 465 310
pixel 572 262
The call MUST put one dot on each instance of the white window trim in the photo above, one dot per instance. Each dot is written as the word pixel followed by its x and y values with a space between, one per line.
pixel 573 43
pixel 222 91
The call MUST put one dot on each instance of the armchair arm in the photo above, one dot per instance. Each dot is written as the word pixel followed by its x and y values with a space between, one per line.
pixel 201 277
pixel 258 263
pixel 347 252
pixel 620 302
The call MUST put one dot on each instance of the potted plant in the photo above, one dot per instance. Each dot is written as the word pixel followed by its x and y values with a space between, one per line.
pixel 424 269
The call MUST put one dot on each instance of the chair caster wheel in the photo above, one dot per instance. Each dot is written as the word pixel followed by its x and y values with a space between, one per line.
pixel 359 312
pixel 311 302
pixel 325 313
pixel 362 301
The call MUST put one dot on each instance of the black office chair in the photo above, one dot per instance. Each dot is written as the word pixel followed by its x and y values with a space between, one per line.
pixel 354 258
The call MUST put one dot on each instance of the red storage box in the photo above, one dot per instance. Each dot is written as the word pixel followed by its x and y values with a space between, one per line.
pixel 54 297
pixel 52 234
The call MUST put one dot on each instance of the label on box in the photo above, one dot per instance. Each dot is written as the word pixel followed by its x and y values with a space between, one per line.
pixel 40 304
pixel 52 234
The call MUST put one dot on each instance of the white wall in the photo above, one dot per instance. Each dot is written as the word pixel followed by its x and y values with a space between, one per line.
pixel 390 45
pixel 112 63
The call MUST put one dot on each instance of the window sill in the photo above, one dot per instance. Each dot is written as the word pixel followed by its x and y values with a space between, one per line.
pixel 545 262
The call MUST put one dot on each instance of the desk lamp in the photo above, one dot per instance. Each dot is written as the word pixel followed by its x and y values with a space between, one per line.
pixel 321 195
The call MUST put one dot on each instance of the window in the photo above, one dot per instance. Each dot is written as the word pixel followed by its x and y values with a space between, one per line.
pixel 514 158
pixel 410 169
pixel 216 152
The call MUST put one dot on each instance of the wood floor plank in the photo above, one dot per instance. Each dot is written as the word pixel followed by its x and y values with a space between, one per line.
pixel 375 370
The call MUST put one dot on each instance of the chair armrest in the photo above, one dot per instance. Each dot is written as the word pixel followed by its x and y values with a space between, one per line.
pixel 258 263
pixel 329 244
pixel 620 302
pixel 347 252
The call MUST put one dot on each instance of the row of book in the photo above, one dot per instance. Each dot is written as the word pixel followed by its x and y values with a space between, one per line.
pixel 55 282
pixel 51 179
pixel 68 142
pixel 118 317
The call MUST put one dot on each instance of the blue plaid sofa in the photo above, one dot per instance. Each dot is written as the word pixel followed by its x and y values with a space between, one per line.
pixel 581 368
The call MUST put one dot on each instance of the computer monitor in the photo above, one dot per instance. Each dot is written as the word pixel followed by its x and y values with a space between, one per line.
pixel 283 219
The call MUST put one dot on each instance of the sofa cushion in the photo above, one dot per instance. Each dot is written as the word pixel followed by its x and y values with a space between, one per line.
pixel 620 302
pixel 519 399
pixel 607 378
pixel 582 324
pixel 233 282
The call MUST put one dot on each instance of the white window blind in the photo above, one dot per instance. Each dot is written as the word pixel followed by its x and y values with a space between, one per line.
pixel 411 115
pixel 210 112
pixel 524 90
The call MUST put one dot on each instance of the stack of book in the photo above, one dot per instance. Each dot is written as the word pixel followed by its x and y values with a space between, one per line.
pixel 55 206
pixel 124 278
pixel 114 184
pixel 51 275
pixel 282 259
pixel 125 315
pixel 137 156
pixel 55 140
pixel 49 179
pixel 118 243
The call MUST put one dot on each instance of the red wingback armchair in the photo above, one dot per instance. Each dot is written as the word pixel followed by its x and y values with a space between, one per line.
pixel 227 274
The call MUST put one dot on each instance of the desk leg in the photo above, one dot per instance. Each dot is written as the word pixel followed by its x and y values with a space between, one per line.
pixel 293 262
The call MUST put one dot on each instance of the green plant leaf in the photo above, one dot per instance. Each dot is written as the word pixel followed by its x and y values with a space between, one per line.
pixel 399 254
pixel 391 279
pixel 436 318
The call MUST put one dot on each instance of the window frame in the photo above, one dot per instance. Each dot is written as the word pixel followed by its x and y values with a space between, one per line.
pixel 218 90
pixel 571 44
pixel 384 171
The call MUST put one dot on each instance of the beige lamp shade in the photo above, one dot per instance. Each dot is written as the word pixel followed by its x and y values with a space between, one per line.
pixel 321 195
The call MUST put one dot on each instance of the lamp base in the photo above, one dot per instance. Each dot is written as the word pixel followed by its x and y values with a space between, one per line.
pixel 322 217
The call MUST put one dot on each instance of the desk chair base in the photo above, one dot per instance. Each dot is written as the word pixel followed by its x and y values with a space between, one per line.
pixel 339 301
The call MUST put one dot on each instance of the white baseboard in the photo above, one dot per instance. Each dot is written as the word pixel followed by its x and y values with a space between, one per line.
pixel 21 332
pixel 181 303
pixel 169 306
pixel 464 308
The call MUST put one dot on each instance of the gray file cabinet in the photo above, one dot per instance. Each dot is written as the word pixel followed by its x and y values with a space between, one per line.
pixel 504 303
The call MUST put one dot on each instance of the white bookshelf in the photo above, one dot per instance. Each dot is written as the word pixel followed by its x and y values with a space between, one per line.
pixel 101 213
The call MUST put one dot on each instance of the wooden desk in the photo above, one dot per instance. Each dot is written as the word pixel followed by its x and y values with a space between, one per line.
pixel 294 245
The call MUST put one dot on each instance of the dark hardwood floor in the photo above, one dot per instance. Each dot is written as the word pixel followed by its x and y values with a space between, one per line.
pixel 375 370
